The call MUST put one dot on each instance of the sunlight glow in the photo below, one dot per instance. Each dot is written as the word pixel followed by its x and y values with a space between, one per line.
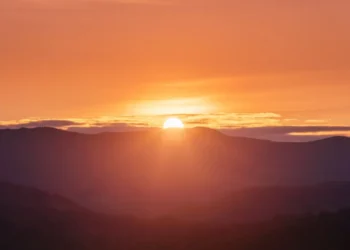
pixel 173 123
pixel 171 107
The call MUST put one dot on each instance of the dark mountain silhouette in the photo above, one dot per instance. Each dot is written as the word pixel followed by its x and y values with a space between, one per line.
pixel 43 226
pixel 264 203
pixel 32 219
pixel 146 174
pixel 32 198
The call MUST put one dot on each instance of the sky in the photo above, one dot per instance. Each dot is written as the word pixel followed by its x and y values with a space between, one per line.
pixel 269 69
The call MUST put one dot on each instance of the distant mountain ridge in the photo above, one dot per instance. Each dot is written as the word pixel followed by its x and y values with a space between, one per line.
pixel 140 172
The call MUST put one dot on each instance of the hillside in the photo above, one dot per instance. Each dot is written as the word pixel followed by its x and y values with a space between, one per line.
pixel 43 227
pixel 143 173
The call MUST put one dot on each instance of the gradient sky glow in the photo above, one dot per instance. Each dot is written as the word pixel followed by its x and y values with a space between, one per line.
pixel 220 63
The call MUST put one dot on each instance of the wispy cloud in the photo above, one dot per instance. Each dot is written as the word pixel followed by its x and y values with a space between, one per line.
pixel 315 121
pixel 215 120
pixel 290 133
pixel 270 126
pixel 118 127
pixel 28 123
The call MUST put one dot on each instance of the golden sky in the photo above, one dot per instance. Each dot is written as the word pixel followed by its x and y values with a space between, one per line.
pixel 214 61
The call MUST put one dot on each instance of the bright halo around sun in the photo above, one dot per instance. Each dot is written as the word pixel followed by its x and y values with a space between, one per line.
pixel 173 123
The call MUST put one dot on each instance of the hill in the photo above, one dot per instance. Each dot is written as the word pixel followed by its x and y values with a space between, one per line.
pixel 42 227
pixel 145 173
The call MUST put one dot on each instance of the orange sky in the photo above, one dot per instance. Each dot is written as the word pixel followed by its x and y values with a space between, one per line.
pixel 108 58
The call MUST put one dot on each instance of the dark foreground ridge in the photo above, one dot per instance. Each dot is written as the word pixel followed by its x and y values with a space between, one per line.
pixel 45 226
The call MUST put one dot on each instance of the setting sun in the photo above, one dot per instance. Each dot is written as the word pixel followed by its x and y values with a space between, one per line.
pixel 173 123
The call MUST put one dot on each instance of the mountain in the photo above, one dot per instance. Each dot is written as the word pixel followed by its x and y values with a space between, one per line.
pixel 32 198
pixel 266 203
pixel 32 219
pixel 147 173
pixel 43 226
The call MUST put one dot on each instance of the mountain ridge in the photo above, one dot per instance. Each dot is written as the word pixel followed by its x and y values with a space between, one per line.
pixel 156 130
pixel 118 172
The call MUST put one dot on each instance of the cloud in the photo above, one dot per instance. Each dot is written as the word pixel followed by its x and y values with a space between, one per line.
pixel 316 121
pixel 289 129
pixel 38 123
pixel 233 120
pixel 121 127
pixel 289 133
pixel 269 126
pixel 116 125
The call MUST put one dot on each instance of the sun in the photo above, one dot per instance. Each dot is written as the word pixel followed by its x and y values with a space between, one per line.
pixel 173 123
